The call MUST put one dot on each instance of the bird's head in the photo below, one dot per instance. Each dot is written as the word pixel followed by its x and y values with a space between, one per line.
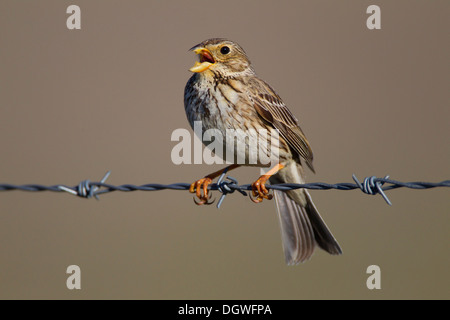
pixel 222 56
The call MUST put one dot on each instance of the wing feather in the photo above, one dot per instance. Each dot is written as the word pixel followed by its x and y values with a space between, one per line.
pixel 272 109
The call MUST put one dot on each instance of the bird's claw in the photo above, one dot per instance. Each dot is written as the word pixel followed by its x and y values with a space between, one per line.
pixel 197 187
pixel 259 191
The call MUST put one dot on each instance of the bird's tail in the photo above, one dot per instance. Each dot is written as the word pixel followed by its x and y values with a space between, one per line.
pixel 302 227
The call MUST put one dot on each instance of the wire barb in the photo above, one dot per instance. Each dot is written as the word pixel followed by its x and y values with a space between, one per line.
pixel 85 189
pixel 370 183
pixel 225 187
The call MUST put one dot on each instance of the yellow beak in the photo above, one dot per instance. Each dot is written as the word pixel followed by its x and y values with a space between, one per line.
pixel 206 60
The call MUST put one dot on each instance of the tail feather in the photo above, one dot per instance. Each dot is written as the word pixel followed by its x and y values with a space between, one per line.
pixel 301 225
pixel 297 233
pixel 323 235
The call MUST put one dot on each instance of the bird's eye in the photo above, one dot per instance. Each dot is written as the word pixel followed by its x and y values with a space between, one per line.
pixel 225 50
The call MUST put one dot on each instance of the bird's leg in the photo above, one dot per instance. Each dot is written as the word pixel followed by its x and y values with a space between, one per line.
pixel 203 184
pixel 259 189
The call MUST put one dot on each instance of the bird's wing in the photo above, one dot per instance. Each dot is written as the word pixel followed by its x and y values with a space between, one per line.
pixel 272 109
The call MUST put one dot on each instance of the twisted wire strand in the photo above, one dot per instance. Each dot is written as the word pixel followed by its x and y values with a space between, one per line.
pixel 245 187
pixel 87 189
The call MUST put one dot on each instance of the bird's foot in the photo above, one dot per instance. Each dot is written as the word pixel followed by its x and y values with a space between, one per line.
pixel 197 187
pixel 259 190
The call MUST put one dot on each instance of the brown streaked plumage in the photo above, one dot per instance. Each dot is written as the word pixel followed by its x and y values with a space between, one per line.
pixel 225 93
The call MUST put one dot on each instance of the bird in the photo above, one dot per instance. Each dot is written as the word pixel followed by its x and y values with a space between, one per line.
pixel 224 93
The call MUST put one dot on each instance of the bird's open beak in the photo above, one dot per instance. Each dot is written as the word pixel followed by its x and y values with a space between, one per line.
pixel 206 60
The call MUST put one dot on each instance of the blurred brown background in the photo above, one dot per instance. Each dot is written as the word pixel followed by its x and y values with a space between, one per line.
pixel 76 103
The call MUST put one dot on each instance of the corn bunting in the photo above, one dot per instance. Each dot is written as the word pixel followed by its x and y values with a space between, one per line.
pixel 225 93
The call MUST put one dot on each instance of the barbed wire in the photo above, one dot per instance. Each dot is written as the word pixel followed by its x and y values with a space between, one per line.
pixel 226 185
